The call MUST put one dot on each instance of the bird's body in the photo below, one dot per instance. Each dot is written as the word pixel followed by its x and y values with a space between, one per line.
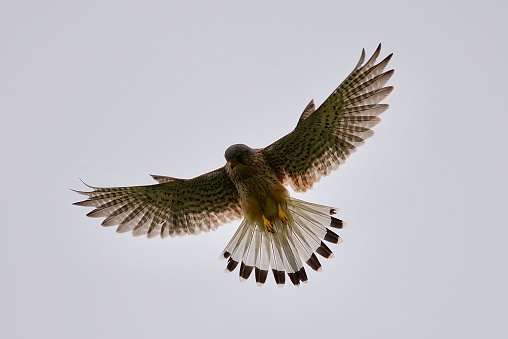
pixel 258 186
pixel 278 232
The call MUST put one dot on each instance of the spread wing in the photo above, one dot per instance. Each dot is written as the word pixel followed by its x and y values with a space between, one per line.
pixel 171 207
pixel 324 138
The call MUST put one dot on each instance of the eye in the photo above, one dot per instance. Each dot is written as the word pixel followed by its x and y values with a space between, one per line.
pixel 239 159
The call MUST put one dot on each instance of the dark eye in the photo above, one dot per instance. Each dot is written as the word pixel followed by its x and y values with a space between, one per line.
pixel 239 159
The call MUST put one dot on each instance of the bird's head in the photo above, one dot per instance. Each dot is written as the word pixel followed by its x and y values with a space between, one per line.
pixel 239 155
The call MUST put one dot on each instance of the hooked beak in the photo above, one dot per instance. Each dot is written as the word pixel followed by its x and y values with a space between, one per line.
pixel 232 164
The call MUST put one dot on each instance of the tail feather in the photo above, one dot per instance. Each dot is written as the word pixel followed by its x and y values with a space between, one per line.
pixel 284 251
pixel 306 236
pixel 234 243
pixel 304 249
pixel 249 255
pixel 276 261
pixel 262 263
pixel 290 257
pixel 314 263
pixel 324 251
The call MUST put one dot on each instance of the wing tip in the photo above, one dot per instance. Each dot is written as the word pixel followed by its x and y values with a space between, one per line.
pixel 84 183
pixel 362 59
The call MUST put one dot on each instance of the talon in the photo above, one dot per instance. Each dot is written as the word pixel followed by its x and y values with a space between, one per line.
pixel 282 215
pixel 268 225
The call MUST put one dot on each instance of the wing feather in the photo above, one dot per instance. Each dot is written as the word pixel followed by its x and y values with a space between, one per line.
pixel 172 207
pixel 324 138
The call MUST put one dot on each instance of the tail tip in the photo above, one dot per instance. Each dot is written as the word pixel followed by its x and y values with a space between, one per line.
pixel 224 255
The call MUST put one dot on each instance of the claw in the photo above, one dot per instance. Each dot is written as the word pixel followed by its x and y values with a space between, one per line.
pixel 282 215
pixel 268 225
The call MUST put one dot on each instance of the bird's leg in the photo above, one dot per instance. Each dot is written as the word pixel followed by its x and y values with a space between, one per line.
pixel 268 224
pixel 282 215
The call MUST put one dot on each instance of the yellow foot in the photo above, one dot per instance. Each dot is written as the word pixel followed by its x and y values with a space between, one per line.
pixel 268 225
pixel 282 215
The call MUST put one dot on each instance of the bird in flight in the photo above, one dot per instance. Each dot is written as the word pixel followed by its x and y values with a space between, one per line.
pixel 278 232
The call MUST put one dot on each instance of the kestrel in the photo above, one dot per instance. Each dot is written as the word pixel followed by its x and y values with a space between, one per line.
pixel 278 232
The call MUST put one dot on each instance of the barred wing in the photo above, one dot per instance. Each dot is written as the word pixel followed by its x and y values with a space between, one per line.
pixel 172 207
pixel 324 138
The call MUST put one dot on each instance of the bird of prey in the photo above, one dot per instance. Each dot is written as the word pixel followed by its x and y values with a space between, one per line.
pixel 278 232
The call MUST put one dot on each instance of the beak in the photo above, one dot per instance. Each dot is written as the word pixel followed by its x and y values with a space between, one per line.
pixel 232 163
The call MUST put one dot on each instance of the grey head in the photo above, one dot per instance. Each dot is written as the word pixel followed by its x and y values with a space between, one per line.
pixel 239 154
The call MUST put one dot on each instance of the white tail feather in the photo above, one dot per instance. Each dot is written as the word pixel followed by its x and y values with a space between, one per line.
pixel 285 250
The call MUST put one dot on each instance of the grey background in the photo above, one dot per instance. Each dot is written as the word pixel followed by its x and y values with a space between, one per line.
pixel 112 91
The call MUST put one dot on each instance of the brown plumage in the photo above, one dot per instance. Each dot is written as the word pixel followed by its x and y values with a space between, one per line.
pixel 278 233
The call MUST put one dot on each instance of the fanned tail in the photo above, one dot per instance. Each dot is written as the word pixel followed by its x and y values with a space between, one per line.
pixel 285 250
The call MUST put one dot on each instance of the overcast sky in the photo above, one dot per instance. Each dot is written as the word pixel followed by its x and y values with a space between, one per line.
pixel 111 91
